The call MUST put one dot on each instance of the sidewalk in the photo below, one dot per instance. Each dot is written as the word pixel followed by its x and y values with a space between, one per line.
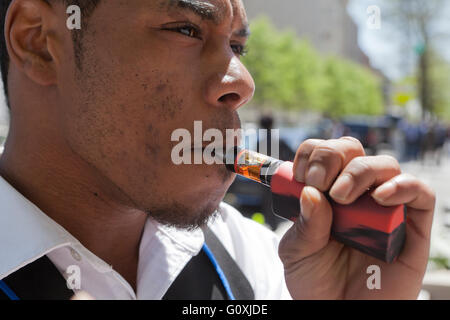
pixel 438 178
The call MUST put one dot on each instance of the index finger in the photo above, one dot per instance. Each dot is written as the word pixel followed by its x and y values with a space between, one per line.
pixel 326 159
pixel 418 197
pixel 420 202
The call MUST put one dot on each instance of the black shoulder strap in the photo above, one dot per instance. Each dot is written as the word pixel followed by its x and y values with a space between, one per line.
pixel 240 286
pixel 200 281
pixel 39 280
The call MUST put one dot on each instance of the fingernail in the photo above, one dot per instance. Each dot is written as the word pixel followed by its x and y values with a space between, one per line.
pixel 307 203
pixel 301 168
pixel 384 191
pixel 316 176
pixel 342 187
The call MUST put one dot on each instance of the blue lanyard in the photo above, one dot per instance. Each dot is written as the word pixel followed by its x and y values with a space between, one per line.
pixel 7 290
pixel 219 271
pixel 11 295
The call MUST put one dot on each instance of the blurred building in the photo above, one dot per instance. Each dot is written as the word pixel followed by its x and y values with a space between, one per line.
pixel 326 23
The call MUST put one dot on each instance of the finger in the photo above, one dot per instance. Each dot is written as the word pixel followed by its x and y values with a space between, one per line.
pixel 418 197
pixel 362 173
pixel 302 156
pixel 311 232
pixel 420 201
pixel 328 159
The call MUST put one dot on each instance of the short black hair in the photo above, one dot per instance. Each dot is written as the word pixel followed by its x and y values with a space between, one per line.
pixel 86 6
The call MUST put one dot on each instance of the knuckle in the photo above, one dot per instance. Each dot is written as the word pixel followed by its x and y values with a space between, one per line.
pixel 311 143
pixel 356 143
pixel 391 161
pixel 419 186
pixel 307 147
pixel 412 184
pixel 359 166
pixel 327 151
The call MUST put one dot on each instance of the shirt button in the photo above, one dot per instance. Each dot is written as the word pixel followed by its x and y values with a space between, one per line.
pixel 75 254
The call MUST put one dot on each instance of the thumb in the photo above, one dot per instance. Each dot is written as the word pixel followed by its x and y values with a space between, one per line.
pixel 311 232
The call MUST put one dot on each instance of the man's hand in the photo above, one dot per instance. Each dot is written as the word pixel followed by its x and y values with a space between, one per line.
pixel 317 267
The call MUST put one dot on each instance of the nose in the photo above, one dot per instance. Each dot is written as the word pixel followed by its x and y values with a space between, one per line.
pixel 230 87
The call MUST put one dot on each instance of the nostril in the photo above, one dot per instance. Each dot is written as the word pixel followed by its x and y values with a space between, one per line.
pixel 230 97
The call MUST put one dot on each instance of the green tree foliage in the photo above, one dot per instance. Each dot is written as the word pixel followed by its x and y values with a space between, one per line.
pixel 420 25
pixel 439 76
pixel 440 93
pixel 352 89
pixel 289 73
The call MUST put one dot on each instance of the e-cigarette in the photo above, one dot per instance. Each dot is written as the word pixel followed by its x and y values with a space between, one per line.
pixel 363 225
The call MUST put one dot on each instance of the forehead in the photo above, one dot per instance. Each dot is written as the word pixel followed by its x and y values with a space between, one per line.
pixel 214 10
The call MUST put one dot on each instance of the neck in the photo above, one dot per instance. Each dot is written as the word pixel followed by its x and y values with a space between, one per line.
pixel 77 196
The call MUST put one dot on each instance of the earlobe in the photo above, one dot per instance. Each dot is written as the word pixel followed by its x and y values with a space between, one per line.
pixel 27 33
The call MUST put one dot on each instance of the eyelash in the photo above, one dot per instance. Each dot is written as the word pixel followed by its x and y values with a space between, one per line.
pixel 238 49
pixel 242 50
pixel 179 29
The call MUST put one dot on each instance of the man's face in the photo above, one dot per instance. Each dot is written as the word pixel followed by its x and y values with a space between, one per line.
pixel 149 68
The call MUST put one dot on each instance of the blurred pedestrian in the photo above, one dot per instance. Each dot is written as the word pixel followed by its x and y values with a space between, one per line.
pixel 265 145
pixel 412 140
pixel 372 141
pixel 440 139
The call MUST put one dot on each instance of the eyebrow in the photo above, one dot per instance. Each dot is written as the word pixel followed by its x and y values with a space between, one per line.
pixel 204 10
pixel 244 32
pixel 207 11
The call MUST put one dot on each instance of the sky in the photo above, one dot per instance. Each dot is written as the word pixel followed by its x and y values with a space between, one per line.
pixel 384 46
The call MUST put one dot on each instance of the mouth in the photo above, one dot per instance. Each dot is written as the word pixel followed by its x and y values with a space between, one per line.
pixel 217 154
pixel 215 150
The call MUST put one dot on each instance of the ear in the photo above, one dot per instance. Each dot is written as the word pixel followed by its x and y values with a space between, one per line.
pixel 29 31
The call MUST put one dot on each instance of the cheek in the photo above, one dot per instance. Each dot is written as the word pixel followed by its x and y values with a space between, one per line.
pixel 121 120
pixel 167 107
pixel 162 102
pixel 128 135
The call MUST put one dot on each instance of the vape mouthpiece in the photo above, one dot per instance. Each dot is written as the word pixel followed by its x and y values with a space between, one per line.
pixel 250 164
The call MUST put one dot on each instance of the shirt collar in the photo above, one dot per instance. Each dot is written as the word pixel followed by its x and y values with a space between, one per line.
pixel 26 234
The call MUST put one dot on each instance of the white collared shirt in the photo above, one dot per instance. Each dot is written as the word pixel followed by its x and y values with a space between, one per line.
pixel 26 234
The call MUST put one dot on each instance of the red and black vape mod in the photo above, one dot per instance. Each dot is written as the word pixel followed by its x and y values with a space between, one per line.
pixel 364 225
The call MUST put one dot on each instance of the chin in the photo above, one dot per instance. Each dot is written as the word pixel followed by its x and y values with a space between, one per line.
pixel 196 205
pixel 188 216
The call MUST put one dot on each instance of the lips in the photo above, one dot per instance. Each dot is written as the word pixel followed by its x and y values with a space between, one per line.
pixel 209 145
pixel 218 153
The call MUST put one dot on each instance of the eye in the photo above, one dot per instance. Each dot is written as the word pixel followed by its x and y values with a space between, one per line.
pixel 187 30
pixel 239 49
